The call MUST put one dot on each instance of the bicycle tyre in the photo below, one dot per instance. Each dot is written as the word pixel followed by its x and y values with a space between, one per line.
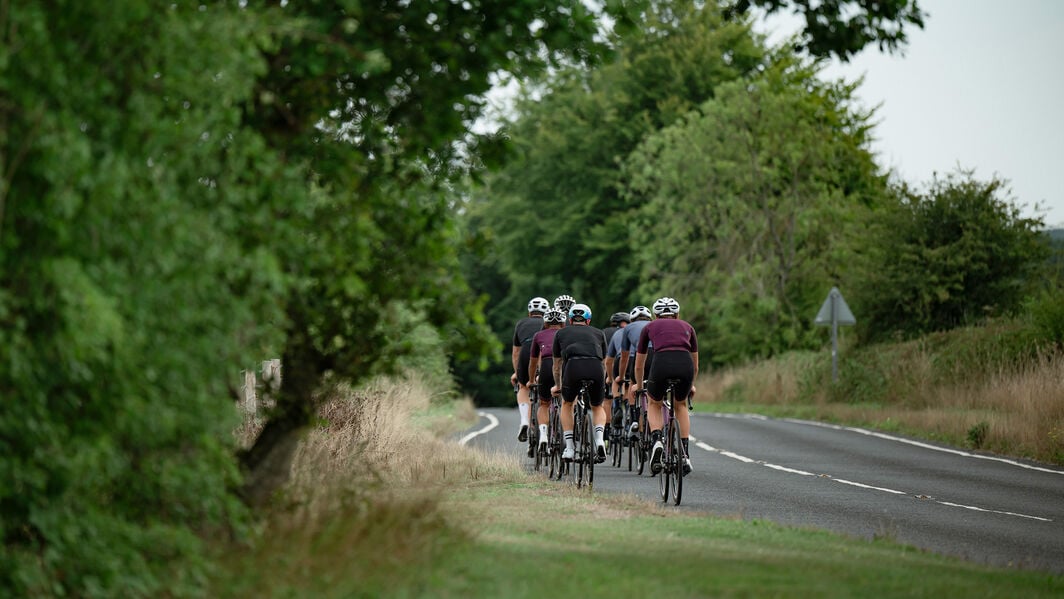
pixel 644 440
pixel 576 466
pixel 592 448
pixel 677 464
pixel 663 475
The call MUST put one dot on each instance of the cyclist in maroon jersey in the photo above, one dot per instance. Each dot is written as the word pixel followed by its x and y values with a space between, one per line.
pixel 524 330
pixel 542 358
pixel 675 357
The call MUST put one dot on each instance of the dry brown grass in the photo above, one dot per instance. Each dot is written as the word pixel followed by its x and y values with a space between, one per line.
pixel 1012 411
pixel 366 488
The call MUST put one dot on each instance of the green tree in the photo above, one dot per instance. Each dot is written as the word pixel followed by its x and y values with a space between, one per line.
pixel 128 300
pixel 842 28
pixel 556 211
pixel 369 100
pixel 948 256
pixel 750 201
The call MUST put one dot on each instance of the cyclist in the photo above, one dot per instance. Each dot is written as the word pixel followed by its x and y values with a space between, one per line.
pixel 578 351
pixel 613 334
pixel 542 358
pixel 524 330
pixel 675 357
pixel 629 341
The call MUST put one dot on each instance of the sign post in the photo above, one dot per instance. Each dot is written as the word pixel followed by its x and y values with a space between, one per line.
pixel 834 312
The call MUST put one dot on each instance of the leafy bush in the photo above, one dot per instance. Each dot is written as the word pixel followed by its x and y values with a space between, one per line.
pixel 952 256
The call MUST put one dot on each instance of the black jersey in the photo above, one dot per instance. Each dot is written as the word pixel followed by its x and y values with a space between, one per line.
pixel 608 332
pixel 526 328
pixel 574 342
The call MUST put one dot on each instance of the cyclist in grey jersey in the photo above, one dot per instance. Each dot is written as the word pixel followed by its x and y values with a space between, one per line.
pixel 629 341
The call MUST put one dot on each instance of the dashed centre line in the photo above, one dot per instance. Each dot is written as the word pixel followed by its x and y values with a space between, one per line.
pixel 747 460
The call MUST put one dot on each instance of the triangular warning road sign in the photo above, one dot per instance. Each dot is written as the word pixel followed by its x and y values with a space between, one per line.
pixel 835 309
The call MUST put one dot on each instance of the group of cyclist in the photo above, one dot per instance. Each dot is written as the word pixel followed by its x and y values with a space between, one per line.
pixel 556 348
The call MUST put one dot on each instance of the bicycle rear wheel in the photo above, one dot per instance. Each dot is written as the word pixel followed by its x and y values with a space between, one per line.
pixel 592 448
pixel 554 451
pixel 644 441
pixel 663 476
pixel 677 465
pixel 576 466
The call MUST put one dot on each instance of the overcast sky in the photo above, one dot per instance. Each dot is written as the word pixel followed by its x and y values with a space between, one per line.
pixel 981 86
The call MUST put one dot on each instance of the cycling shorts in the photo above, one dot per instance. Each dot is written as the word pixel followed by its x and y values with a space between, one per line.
pixel 576 370
pixel 671 365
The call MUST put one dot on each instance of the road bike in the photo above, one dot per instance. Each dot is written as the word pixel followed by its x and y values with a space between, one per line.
pixel 672 459
pixel 583 437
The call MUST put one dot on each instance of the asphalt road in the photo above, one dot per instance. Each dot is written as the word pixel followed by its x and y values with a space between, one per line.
pixel 982 508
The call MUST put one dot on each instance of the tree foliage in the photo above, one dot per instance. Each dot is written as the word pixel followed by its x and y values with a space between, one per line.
pixel 749 201
pixel 949 256
pixel 127 301
pixel 842 28
pixel 189 189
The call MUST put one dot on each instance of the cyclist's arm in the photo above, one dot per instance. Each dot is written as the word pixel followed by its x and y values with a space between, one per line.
pixel 623 368
pixel 608 365
pixel 694 356
pixel 533 363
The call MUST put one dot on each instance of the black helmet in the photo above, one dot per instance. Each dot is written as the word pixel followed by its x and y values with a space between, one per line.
pixel 619 317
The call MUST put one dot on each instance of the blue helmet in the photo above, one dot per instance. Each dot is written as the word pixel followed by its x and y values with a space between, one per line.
pixel 579 313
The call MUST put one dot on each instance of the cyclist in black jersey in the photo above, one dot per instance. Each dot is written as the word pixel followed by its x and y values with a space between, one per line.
pixel 579 350
pixel 524 330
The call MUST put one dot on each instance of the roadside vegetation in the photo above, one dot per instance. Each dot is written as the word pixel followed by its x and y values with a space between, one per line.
pixel 997 387
pixel 379 506
pixel 189 189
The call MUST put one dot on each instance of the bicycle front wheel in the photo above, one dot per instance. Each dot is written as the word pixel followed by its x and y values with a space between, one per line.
pixel 592 448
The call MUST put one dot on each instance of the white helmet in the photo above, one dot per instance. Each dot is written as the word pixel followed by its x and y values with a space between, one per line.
pixel 640 312
pixel 564 302
pixel 666 306
pixel 580 313
pixel 538 304
pixel 554 317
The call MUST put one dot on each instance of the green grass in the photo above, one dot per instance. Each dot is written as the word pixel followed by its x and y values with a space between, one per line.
pixel 530 538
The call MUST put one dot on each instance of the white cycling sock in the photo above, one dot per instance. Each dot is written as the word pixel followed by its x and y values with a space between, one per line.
pixel 543 433
pixel 523 407
pixel 569 440
pixel 598 434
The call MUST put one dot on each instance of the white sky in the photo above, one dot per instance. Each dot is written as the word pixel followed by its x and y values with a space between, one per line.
pixel 980 87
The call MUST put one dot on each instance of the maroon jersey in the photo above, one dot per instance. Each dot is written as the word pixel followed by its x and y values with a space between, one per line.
pixel 542 343
pixel 668 334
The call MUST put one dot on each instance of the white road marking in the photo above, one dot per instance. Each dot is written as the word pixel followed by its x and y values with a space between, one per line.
pixel 979 509
pixel 492 423
pixel 864 486
pixel 922 445
pixel 747 460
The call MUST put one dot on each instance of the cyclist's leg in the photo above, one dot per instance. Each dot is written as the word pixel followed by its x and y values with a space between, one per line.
pixel 569 391
pixel 523 391
pixel 546 381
